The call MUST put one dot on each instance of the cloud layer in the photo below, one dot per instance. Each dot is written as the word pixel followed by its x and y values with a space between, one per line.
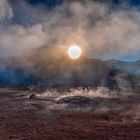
pixel 6 11
pixel 102 32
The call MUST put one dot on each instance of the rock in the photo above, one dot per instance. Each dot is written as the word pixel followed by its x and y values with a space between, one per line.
pixel 32 96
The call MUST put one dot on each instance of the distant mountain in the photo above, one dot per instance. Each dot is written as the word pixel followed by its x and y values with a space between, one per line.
pixel 49 67
pixel 130 67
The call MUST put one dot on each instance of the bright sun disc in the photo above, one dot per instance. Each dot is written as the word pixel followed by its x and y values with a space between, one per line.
pixel 74 52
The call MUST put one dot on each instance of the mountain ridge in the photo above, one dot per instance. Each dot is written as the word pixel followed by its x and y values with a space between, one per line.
pixel 43 67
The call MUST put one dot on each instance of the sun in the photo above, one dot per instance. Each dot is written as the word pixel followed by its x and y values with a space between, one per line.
pixel 74 52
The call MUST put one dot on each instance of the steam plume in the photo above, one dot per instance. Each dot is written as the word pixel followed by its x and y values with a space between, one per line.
pixel 101 31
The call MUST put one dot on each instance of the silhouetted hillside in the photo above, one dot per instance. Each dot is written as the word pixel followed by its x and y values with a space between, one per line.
pixel 51 67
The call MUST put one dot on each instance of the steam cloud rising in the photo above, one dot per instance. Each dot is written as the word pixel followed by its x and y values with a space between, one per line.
pixel 102 31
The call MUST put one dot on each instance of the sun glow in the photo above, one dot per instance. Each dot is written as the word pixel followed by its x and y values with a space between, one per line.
pixel 74 51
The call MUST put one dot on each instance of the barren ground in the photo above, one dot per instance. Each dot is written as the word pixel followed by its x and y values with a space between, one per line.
pixel 22 118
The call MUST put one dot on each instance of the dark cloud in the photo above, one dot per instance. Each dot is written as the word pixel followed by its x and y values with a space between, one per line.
pixel 52 3
pixel 48 3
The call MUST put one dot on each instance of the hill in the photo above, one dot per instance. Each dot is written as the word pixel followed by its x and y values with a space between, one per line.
pixel 45 67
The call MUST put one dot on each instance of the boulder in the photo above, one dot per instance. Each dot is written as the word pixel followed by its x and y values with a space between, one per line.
pixel 32 96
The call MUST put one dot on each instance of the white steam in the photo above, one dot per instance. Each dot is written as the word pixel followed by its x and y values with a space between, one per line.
pixel 18 39
pixel 6 11
pixel 103 32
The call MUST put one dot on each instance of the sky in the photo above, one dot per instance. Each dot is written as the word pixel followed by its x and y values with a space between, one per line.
pixel 52 3
pixel 105 29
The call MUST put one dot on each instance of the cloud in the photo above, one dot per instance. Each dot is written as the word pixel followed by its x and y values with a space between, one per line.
pixel 18 39
pixel 6 11
pixel 102 32
pixel 15 36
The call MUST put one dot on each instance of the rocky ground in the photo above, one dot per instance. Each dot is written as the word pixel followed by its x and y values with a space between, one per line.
pixel 36 117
